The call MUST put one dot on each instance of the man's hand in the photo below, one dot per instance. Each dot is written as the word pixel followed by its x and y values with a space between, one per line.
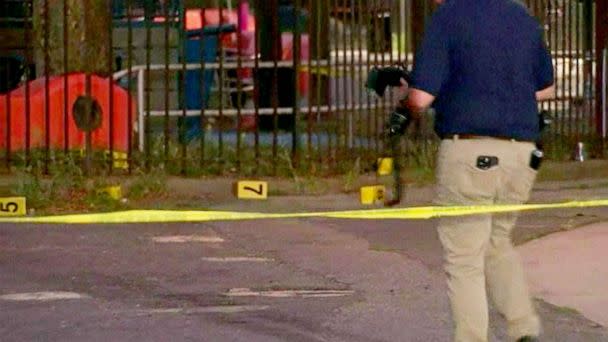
pixel 401 93
pixel 546 94
pixel 418 102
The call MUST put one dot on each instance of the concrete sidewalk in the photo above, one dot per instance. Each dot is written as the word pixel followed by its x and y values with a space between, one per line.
pixel 570 270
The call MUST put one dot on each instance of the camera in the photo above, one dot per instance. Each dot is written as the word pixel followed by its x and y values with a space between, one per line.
pixel 379 79
pixel 398 122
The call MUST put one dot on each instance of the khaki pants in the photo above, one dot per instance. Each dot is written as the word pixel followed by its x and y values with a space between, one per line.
pixel 478 252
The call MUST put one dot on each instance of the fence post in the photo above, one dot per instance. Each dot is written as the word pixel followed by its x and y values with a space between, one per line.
pixel 420 10
pixel 601 43
pixel 604 90
pixel 267 12
pixel 320 50
pixel 588 50
pixel 297 48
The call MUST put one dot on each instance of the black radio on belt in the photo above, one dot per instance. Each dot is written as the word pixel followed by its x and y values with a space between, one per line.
pixel 536 159
pixel 486 162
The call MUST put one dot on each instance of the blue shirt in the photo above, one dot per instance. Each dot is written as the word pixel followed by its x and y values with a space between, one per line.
pixel 484 60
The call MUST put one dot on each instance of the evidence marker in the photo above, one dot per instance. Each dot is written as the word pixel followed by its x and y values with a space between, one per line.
pixel 114 192
pixel 373 194
pixel 385 166
pixel 255 190
pixel 13 206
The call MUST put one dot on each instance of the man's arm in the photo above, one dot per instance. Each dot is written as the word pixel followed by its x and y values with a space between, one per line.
pixel 418 102
pixel 543 72
pixel 431 66
pixel 546 94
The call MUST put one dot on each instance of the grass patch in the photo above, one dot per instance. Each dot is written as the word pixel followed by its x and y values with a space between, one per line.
pixel 570 170
pixel 45 179
pixel 566 310
pixel 65 188
pixel 151 184
pixel 351 178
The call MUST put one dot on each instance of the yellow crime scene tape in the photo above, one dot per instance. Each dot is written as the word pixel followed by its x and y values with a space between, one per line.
pixel 172 216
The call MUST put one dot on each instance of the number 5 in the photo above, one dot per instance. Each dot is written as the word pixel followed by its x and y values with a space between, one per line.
pixel 7 207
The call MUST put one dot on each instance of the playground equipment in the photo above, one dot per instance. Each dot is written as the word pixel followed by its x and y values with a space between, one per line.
pixel 34 116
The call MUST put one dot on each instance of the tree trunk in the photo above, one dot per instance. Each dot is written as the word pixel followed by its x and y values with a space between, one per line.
pixel 87 47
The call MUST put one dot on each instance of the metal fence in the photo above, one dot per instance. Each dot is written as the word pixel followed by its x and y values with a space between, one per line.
pixel 261 87
pixel 570 31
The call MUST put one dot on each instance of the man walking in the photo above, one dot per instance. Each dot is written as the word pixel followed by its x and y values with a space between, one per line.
pixel 483 65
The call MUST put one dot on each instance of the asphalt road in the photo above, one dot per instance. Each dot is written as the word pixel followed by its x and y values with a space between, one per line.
pixel 269 280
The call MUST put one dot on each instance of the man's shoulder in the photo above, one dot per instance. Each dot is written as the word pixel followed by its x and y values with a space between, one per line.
pixel 447 11
pixel 519 7
pixel 465 6
pixel 449 7
pixel 521 14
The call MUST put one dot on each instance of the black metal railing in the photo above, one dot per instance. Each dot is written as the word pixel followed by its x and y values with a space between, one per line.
pixel 251 87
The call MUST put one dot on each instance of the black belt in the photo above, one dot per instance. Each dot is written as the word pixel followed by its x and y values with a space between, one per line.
pixel 474 136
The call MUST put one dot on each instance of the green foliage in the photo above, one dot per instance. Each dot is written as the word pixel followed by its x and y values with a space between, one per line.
pixel 65 184
pixel 66 177
pixel 304 182
pixel 352 176
pixel 101 201
pixel 31 186
pixel 148 184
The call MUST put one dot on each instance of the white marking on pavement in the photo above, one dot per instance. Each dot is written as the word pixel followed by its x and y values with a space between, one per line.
pixel 207 309
pixel 42 296
pixel 187 238
pixel 245 292
pixel 237 259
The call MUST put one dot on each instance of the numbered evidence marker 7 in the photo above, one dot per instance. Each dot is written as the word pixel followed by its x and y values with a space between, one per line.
pixel 12 206
pixel 251 190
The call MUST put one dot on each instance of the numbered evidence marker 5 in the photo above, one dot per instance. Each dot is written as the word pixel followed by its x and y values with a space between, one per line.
pixel 251 190
pixel 12 206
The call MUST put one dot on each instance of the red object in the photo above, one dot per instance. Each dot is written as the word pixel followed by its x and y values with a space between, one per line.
pixel 100 91
pixel 195 20
pixel 287 55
